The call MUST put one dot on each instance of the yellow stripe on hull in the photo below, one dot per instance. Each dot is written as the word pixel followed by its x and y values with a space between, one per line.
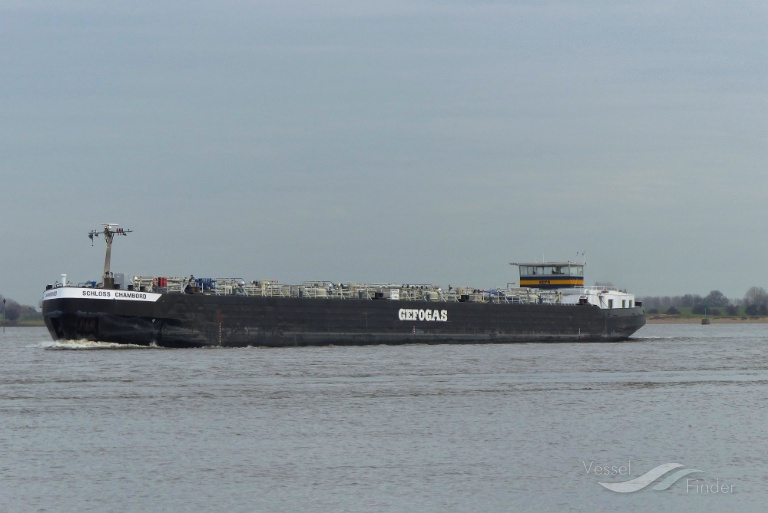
pixel 551 282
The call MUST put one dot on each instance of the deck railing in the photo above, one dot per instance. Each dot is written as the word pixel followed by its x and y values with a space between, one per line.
pixel 329 290
pixel 323 289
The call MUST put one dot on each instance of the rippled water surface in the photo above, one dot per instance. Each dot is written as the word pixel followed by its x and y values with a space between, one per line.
pixel 485 428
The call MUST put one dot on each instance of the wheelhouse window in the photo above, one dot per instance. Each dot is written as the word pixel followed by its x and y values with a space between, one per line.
pixel 552 270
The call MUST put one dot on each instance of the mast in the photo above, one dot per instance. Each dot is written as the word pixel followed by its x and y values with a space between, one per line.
pixel 109 231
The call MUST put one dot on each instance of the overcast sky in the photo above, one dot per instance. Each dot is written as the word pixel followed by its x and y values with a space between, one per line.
pixel 386 141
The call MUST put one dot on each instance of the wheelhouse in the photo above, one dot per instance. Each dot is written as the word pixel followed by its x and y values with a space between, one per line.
pixel 551 275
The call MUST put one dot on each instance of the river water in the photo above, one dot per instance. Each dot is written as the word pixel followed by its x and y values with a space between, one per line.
pixel 484 428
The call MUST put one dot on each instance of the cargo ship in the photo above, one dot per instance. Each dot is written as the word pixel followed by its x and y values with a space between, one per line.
pixel 549 304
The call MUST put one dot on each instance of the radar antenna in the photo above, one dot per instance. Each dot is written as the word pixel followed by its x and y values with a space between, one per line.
pixel 109 231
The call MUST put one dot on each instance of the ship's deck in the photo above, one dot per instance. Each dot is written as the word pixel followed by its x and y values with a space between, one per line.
pixel 324 289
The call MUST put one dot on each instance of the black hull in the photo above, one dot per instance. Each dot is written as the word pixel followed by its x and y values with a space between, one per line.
pixel 198 320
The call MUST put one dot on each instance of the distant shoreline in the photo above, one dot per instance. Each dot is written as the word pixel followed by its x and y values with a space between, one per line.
pixel 654 319
pixel 22 324
pixel 651 319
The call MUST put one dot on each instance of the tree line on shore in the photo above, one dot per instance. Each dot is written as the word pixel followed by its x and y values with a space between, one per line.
pixel 12 312
pixel 754 303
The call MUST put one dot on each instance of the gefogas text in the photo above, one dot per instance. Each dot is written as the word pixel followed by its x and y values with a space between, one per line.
pixel 413 314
